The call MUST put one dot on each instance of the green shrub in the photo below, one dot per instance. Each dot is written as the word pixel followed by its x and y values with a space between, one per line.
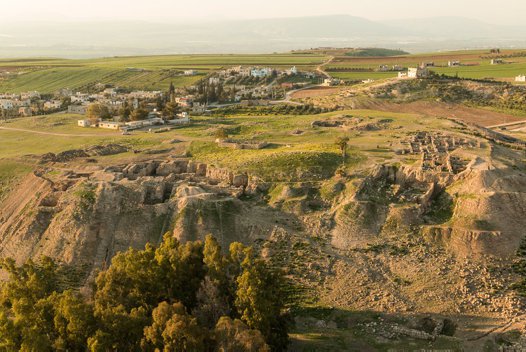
pixel 86 195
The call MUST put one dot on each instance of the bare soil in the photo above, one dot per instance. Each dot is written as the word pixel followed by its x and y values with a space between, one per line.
pixel 315 92
pixel 479 116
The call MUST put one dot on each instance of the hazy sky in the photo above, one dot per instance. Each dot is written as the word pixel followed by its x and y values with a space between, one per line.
pixel 30 10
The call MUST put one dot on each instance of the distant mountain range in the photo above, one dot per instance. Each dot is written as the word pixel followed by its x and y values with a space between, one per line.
pixel 93 39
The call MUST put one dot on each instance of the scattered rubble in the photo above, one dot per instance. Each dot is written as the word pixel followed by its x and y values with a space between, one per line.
pixel 241 144
pixel 98 150
pixel 436 150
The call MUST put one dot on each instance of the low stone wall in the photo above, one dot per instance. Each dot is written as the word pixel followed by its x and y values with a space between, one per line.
pixel 220 175
pixel 416 334
pixel 183 166
pixel 234 144
pixel 172 167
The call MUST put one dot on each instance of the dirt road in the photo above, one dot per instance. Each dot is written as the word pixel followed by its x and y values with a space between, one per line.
pixel 55 133
pixel 320 69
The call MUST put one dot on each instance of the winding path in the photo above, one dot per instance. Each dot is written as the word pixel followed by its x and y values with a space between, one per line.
pixel 289 94
pixel 320 69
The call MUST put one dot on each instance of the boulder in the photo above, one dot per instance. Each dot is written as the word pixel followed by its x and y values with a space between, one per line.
pixel 172 167
pixel 201 169
pixel 240 180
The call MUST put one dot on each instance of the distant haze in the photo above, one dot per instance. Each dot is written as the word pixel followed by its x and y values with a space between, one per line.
pixel 506 12
pixel 93 28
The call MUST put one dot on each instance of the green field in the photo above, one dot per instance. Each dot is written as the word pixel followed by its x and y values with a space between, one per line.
pixel 157 72
pixel 351 76
pixel 476 65
pixel 485 70
pixel 47 75
pixel 79 78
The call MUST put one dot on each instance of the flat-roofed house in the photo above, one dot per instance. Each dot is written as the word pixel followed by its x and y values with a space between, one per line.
pixel 110 125
pixel 84 123
pixel 52 104
pixel 77 109
pixel 417 72
pixel 6 104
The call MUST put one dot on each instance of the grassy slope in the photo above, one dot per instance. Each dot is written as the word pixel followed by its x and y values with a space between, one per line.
pixel 10 173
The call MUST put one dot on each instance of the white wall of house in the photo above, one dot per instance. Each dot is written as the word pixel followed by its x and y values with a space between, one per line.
pixel 6 104
pixel 84 123
pixel 110 125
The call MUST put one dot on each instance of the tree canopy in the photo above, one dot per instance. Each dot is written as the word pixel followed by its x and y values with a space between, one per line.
pixel 96 111
pixel 177 297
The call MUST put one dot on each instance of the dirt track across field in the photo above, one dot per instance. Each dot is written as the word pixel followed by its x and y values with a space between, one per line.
pixel 315 92
pixel 481 117
pixel 55 133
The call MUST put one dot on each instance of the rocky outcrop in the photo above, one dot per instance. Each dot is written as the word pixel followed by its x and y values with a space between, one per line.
pixel 390 199
pixel 172 167
pixel 469 243
pixel 357 223
pixel 487 217
pixel 489 214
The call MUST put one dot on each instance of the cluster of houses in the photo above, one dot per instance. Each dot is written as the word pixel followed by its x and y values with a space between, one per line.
pixel 258 72
pixel 423 65
pixel 109 97
pixel 251 83
pixel 114 100
pixel 236 84
pixel 27 104
pixel 31 103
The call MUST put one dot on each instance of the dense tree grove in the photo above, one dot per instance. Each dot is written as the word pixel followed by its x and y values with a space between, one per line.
pixel 177 297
